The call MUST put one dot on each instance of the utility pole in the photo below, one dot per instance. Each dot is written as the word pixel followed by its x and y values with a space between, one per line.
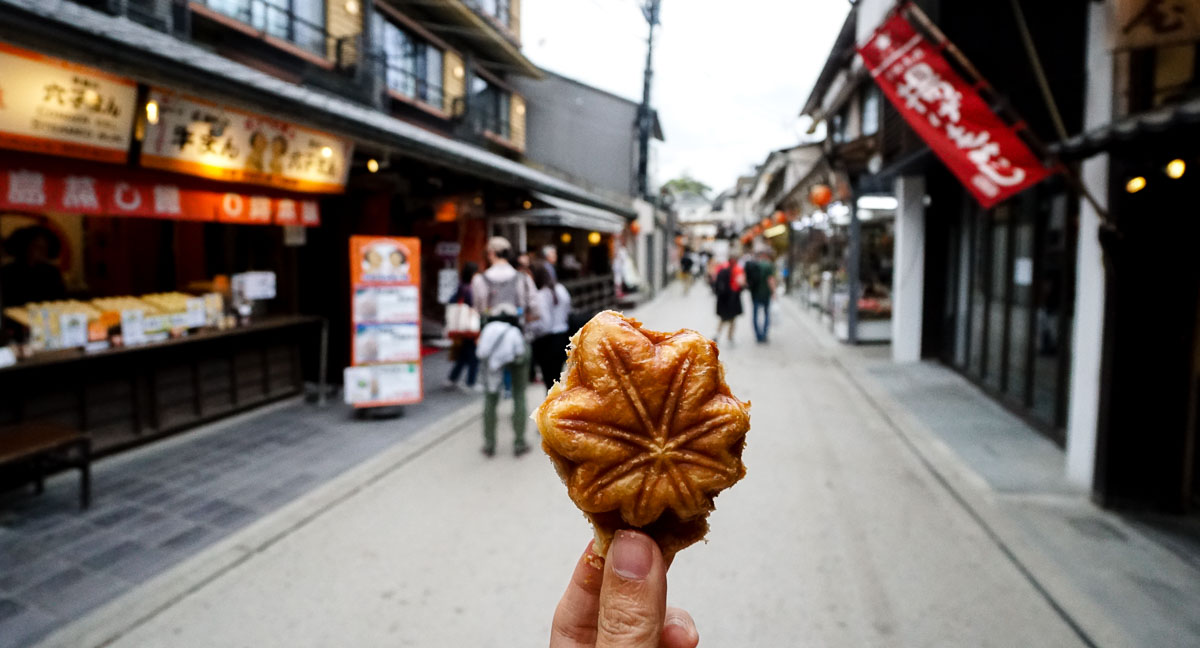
pixel 645 120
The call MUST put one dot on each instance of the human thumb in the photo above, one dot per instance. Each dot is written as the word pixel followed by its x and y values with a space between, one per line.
pixel 633 596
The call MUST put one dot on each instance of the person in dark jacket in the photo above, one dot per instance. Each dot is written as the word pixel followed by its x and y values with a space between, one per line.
pixel 466 351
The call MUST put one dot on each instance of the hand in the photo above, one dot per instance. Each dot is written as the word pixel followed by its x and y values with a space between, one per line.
pixel 621 602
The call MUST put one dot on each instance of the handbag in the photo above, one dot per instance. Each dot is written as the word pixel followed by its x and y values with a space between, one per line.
pixel 462 321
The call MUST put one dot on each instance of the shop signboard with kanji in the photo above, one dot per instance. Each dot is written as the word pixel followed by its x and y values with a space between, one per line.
pixel 1151 23
pixel 59 108
pixel 201 138
pixel 102 192
pixel 385 344
pixel 981 149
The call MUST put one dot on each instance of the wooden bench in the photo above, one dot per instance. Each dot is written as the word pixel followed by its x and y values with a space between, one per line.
pixel 45 446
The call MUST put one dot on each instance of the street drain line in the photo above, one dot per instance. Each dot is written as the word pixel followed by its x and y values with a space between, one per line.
pixel 966 506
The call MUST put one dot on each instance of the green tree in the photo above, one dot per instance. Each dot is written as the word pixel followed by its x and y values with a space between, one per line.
pixel 686 183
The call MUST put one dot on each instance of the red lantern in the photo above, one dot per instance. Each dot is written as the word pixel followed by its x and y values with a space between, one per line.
pixel 781 218
pixel 821 195
pixel 766 222
pixel 635 227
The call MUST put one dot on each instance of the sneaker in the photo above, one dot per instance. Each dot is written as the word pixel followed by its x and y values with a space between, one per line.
pixel 450 384
pixel 488 452
pixel 477 388
pixel 520 449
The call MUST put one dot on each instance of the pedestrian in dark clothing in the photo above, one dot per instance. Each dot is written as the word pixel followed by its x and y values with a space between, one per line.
pixel 728 283
pixel 760 279
pixel 466 350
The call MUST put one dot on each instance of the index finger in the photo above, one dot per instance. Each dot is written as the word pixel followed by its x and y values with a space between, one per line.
pixel 574 623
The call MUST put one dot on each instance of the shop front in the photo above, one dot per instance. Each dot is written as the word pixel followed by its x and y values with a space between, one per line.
pixel 150 266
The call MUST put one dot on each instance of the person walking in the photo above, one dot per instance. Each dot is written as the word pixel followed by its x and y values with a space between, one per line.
pixel 550 331
pixel 760 280
pixel 728 283
pixel 687 265
pixel 508 298
pixel 466 359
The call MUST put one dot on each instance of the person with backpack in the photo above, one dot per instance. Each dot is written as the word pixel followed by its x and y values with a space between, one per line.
pixel 508 297
pixel 728 283
pixel 760 279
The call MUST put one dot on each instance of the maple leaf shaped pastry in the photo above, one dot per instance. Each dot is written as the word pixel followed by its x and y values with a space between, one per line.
pixel 643 430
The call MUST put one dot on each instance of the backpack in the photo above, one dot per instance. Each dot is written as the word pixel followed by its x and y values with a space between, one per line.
pixel 723 283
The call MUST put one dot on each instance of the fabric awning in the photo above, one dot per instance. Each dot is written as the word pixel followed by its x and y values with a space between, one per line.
pixel 560 212
pixel 1130 129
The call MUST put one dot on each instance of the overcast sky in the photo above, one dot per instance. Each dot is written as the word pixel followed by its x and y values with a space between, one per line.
pixel 730 78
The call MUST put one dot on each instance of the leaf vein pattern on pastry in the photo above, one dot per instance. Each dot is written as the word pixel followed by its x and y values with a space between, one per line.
pixel 659 449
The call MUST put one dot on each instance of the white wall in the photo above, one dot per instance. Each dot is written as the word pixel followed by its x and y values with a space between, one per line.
pixel 908 274
pixel 1087 338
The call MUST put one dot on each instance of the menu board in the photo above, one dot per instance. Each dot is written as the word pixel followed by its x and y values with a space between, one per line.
pixel 386 322
pixel 201 138
pixel 52 106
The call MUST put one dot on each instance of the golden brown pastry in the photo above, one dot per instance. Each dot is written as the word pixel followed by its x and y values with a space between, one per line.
pixel 643 430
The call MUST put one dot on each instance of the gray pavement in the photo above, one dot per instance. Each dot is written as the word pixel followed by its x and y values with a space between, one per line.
pixel 844 532
pixel 158 506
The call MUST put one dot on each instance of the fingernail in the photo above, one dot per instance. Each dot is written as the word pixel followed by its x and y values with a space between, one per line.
pixel 677 620
pixel 631 555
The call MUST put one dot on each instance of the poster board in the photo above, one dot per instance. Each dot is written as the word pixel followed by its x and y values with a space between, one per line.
pixel 385 322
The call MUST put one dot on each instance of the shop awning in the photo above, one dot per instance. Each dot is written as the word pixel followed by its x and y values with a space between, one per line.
pixel 558 212
pixel 1130 129
pixel 154 57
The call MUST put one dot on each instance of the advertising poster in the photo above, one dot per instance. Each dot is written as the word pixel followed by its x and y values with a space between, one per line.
pixel 386 313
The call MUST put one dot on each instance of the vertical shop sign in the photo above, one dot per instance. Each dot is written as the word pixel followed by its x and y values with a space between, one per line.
pixel 60 108
pixel 1151 23
pixel 985 153
pixel 385 322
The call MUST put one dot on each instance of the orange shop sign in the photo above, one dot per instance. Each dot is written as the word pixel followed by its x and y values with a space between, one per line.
pixel 32 189
pixel 52 106
pixel 204 139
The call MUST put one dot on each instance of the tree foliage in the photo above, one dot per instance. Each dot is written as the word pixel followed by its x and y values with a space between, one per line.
pixel 686 183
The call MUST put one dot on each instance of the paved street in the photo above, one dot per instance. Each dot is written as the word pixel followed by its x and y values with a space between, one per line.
pixel 839 535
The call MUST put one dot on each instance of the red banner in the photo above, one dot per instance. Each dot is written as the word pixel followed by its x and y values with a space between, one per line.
pixel 981 149
pixel 119 194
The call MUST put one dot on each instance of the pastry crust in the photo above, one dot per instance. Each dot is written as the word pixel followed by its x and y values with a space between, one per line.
pixel 643 430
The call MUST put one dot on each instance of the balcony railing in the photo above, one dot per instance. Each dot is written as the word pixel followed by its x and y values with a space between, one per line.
pixel 281 22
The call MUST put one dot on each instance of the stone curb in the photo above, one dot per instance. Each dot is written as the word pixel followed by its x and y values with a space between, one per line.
pixel 977 498
pixel 116 619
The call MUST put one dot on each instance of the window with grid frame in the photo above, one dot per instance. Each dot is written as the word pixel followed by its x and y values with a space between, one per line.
pixel 300 22
pixel 492 104
pixel 413 66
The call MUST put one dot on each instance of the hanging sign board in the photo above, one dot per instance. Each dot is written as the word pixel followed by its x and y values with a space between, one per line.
pixel 1150 23
pixel 200 138
pixel 59 108
pixel 385 341
pixel 985 153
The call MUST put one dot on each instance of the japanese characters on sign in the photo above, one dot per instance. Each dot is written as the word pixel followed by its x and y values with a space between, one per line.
pixel 33 189
pixel 386 315
pixel 60 108
pixel 199 138
pixel 1149 23
pixel 983 151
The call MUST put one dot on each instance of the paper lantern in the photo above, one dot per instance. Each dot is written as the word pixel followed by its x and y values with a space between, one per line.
pixel 635 227
pixel 766 222
pixel 781 218
pixel 821 195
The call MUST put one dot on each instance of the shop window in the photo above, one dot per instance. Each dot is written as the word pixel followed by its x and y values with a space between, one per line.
pixel 997 296
pixel 491 105
pixel 301 22
pixel 413 66
pixel 1053 309
pixel 1020 311
pixel 870 111
pixel 979 294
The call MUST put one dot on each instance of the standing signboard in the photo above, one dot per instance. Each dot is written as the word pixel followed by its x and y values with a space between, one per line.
pixel 385 322
pixel 986 154
pixel 59 108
